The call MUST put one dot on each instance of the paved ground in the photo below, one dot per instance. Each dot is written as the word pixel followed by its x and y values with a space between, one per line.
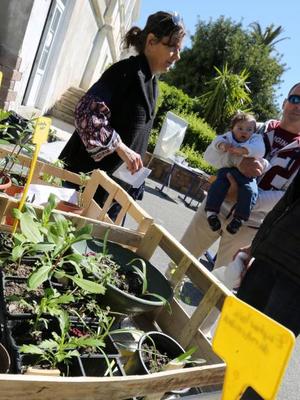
pixel 169 211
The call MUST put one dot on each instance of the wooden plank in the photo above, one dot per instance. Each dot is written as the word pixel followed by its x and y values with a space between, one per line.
pixel 117 234
pixel 150 242
pixel 173 323
pixel 209 300
pixel 29 387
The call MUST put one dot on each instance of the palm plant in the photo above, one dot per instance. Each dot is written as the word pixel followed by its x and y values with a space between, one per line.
pixel 227 93
pixel 269 36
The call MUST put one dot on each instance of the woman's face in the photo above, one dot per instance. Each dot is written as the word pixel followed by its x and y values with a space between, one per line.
pixel 162 54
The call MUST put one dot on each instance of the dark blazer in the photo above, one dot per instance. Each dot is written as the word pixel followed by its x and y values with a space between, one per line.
pixel 130 92
pixel 277 241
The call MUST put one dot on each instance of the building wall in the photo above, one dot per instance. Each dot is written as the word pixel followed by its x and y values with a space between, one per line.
pixel 13 23
pixel 89 40
pixel 72 55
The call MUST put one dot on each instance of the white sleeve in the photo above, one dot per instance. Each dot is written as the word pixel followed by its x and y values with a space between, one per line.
pixel 255 146
pixel 218 158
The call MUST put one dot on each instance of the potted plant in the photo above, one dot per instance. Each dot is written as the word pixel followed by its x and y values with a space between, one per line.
pixel 139 286
pixel 157 351
pixel 19 135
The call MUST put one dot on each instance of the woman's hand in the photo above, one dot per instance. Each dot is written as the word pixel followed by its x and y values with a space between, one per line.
pixel 251 167
pixel 132 159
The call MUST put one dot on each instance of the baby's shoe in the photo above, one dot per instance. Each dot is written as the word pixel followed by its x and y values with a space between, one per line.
pixel 234 225
pixel 214 222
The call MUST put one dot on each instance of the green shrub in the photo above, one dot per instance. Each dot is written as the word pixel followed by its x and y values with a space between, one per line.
pixel 172 99
pixel 198 134
pixel 152 140
pixel 196 160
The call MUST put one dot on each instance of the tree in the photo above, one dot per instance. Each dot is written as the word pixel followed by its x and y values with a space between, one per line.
pixel 267 37
pixel 221 42
pixel 227 93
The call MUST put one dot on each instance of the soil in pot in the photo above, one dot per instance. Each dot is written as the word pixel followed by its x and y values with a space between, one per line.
pixel 22 270
pixel 17 298
pixel 155 350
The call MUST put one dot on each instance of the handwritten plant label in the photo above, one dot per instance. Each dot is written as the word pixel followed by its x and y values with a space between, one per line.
pixel 41 130
pixel 40 135
pixel 255 348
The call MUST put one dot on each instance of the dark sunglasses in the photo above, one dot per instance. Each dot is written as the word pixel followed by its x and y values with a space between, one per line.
pixel 294 99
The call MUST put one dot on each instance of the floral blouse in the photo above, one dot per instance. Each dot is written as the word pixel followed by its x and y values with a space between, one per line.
pixel 92 123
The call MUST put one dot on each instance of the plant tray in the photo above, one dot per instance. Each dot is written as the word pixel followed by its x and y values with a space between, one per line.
pixel 183 325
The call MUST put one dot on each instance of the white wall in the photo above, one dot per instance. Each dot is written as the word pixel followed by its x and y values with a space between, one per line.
pixel 73 53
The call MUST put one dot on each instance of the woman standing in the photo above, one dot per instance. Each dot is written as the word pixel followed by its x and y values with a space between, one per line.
pixel 114 118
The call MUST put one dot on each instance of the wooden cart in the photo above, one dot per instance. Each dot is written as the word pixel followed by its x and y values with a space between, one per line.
pixel 179 324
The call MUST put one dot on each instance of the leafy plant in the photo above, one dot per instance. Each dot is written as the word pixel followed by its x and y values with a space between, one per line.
pixel 84 178
pixel 62 348
pixel 52 236
pixel 20 139
pixel 226 94
pixel 51 179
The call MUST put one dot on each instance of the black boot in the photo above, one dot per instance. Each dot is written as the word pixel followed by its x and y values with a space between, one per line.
pixel 234 225
pixel 214 222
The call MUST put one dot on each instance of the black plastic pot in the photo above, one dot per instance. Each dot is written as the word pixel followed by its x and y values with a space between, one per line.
pixel 95 365
pixel 163 343
pixel 117 299
pixel 4 360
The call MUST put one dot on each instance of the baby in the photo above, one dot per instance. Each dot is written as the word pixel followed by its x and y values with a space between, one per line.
pixel 242 141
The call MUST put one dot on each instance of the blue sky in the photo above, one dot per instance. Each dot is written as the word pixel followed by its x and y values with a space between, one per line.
pixel 279 12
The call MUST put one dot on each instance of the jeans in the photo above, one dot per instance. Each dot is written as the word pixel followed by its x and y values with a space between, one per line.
pixel 247 193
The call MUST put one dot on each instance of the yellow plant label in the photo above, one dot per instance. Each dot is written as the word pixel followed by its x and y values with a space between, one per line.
pixel 256 350
pixel 1 76
pixel 41 130
pixel 40 136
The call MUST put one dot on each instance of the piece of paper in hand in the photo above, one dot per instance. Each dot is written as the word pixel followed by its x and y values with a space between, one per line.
pixel 135 180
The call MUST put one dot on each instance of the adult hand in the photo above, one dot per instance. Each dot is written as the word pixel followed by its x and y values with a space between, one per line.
pixel 251 167
pixel 246 257
pixel 132 159
pixel 232 192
